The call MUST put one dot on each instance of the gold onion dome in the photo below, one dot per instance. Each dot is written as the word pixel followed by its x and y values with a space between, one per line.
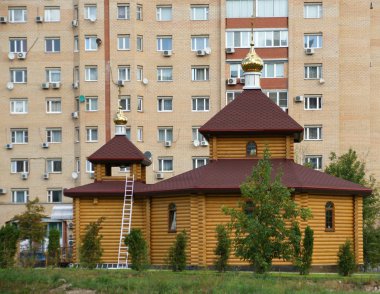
pixel 120 118
pixel 252 62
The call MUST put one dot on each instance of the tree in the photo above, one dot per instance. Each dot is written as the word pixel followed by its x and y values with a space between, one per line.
pixel 53 247
pixel 90 251
pixel 349 167
pixel 223 248
pixel 302 255
pixel 8 245
pixel 137 249
pixel 177 252
pixel 260 222
pixel 346 259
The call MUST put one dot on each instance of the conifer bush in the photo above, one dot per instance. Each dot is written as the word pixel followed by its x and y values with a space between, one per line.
pixel 90 251
pixel 137 249
pixel 223 248
pixel 53 247
pixel 8 245
pixel 302 255
pixel 346 259
pixel 177 252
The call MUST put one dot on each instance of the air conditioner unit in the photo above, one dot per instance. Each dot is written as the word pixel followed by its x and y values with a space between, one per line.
pixel 120 83
pixel 159 176
pixel 231 81
pixel 70 225
pixel 167 53
pixel 321 81
pixel 309 51
pixel 45 145
pixel 74 22
pixel 168 143
pixel 201 52
pixel 8 146
pixel 298 99
pixel 242 80
pixel 45 86
pixel 3 191
pixel 56 85
pixel 45 176
pixel 92 19
pixel 75 114
pixel 230 50
pixel 71 243
pixel 39 19
pixel 76 85
pixel 21 55
pixel 204 143
pixel 3 19
pixel 24 176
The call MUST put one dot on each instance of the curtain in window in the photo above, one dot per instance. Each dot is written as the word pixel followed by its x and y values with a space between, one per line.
pixel 239 8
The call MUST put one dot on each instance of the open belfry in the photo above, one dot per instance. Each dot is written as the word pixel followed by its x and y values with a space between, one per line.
pixel 193 201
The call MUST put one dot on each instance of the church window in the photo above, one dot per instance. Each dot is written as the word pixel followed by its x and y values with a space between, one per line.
pixel 330 217
pixel 251 149
pixel 172 217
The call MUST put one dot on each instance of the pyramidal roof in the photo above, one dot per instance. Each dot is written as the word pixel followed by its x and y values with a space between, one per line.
pixel 252 112
pixel 118 150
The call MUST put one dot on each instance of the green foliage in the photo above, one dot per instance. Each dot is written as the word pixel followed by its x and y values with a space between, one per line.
pixel 8 245
pixel 302 256
pixel 223 248
pixel 261 233
pixel 346 259
pixel 177 252
pixel 137 249
pixel 90 251
pixel 371 243
pixel 53 247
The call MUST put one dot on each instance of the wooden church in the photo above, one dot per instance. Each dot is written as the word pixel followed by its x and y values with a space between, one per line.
pixel 193 201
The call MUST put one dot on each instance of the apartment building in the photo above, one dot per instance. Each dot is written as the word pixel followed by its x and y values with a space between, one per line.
pixel 66 67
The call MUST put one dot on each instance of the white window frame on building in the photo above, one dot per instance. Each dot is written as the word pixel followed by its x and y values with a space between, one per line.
pixel 164 73
pixel 76 135
pixel 54 135
pixel 52 44
pixel 231 95
pixel 128 132
pixel 280 97
pixel 139 12
pixel 91 103
pixel 20 195
pixel 199 161
pixel 256 8
pixel 199 12
pixel 313 40
pixel 77 165
pixel 164 43
pixel 200 73
pixel 313 102
pixel 123 42
pixel 313 10
pixel 275 38
pixel 165 103
pixel 52 14
pixel 90 11
pixel 90 43
pixel 236 71
pixel 91 73
pixel 196 135
pixel 125 102
pixel 53 105
pixel 199 42
pixel 238 39
pixel 123 11
pixel 76 44
pixel 124 73
pixel 19 75
pixel 19 136
pixel 54 195
pixel 18 105
pixel 140 134
pixel 139 73
pixel 17 14
pixel 92 134
pixel 53 75
pixel 89 167
pixel 19 165
pixel 165 164
pixel 54 165
pixel 140 103
pixel 313 71
pixel 164 12
pixel 273 69
pixel 200 103
pixel 165 134
pixel 139 43
pixel 17 45
pixel 314 160
pixel 313 133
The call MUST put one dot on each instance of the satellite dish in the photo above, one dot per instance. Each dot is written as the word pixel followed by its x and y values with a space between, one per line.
pixel 82 99
pixel 145 81
pixel 11 55
pixel 196 143
pixel 74 175
pixel 10 86
pixel 208 50
pixel 148 154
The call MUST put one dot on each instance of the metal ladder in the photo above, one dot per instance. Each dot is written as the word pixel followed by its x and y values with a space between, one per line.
pixel 126 220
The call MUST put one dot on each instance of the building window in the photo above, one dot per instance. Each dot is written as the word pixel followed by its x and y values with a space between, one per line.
pixel 90 12
pixel 54 165
pixel 90 43
pixel 164 74
pixel 77 165
pixel 52 45
pixel 89 167
pixel 20 196
pixel 313 71
pixel 238 39
pixel 251 149
pixel 19 166
pixel 53 75
pixel 172 218
pixel 164 13
pixel 53 105
pixel 312 10
pixel 54 135
pixel 239 8
pixel 165 164
pixel 128 132
pixel 273 70
pixel 231 95
pixel 236 71
pixel 199 12
pixel 313 132
pixel 91 73
pixel 76 43
pixel 76 74
pixel 17 45
pixel 76 134
pixel 329 216
pixel 200 103
pixel 19 136
pixel 54 196
pixel 165 104
pixel 140 134
pixel 125 102
pixel 139 43
pixel 140 103
pixel 139 73
pixel 197 136
pixel 123 11
pixel 313 102
pixel 271 38
pixel 18 75
pixel 91 103
pixel 124 73
pixel 139 12
pixel 19 106
pixel 199 42
pixel 315 161
pixel 165 134
pixel 200 73
pixel 91 134
pixel 164 43
pixel 123 42
pixel 278 97
pixel 52 14
pixel 199 161
pixel 17 14
pixel 312 41
pixel 249 207
pixel 259 8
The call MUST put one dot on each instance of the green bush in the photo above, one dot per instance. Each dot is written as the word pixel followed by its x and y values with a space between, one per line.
pixel 8 245
pixel 223 248
pixel 90 251
pixel 137 249
pixel 177 253
pixel 346 259
pixel 302 256
pixel 53 247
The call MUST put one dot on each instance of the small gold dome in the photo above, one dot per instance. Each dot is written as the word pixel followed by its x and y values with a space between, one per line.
pixel 252 62
pixel 119 118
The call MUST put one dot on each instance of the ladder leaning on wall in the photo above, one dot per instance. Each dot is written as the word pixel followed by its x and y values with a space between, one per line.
pixel 126 220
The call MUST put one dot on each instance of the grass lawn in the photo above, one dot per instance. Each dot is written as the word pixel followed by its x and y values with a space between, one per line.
pixel 127 281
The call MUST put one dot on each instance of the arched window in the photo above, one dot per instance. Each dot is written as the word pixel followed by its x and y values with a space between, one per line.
pixel 329 215
pixel 251 149
pixel 249 207
pixel 172 217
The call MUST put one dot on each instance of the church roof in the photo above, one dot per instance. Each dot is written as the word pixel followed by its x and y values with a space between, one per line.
pixel 252 112
pixel 226 176
pixel 118 150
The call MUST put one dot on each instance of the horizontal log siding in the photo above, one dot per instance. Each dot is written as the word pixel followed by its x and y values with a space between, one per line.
pixel 359 229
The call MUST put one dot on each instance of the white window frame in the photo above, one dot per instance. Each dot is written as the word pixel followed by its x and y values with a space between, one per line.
pixel 161 106
pixel 161 164
pixel 199 42
pixel 199 161
pixel 14 72
pixel 52 74
pixel 13 18
pixel 77 165
pixel 140 134
pixel 164 73
pixel 50 105
pixel 90 11
pixel 139 12
pixel 196 135
pixel 236 68
pixel 23 164
pixel 140 103
pixel 196 10
pixel 91 103
pixel 18 44
pixel 318 158
pixel 139 73
pixel 268 39
pixel 200 73
pixel 92 134
pixel 195 101
pixel 76 135
pixel 52 14
pixel 316 5
pixel 54 135
pixel 278 69
pixel 160 16
pixel 127 11
pixel 124 73
pixel 55 42
pixel 21 191
pixel 307 74
pixel 231 95
pixel 165 134
pixel 15 133
pixel 90 71
pixel 307 134
pixel 76 44
pixel 318 37
pixel 89 167
pixel 318 102
pixel 139 43
pixel 50 165
pixel 123 42
pixel 256 8
pixel 161 45
pixel 90 43
pixel 50 195
pixel 277 96
pixel 18 106
pixel 125 106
